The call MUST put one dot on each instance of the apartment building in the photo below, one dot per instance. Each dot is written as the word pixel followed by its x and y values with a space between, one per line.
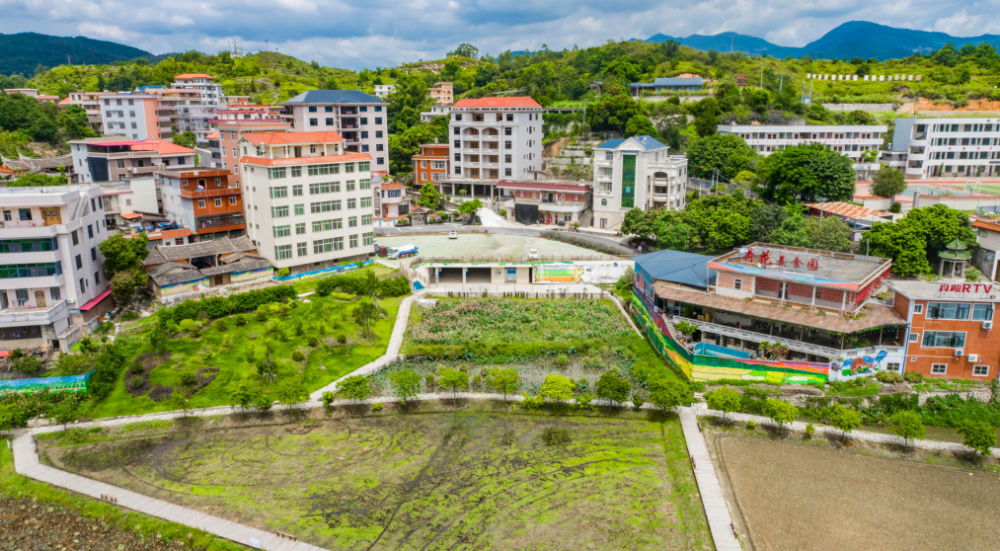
pixel 206 200
pixel 91 103
pixel 223 142
pixel 308 200
pixel 431 165
pixel 134 115
pixel 550 202
pixel 123 199
pixel 112 158
pixel 950 326
pixel 952 147
pixel 393 202
pixel 442 93
pixel 437 110
pixel 851 140
pixel 636 172
pixel 987 255
pixel 362 120
pixel 52 282
pixel 382 91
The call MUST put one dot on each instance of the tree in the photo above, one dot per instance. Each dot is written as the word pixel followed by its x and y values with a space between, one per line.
pixel 465 50
pixel 706 116
pixel 122 255
pixel 829 233
pixel 430 198
pixel 185 139
pixel 612 110
pixel 242 394
pixel 640 125
pixel 844 419
pixel 557 388
pixel 66 411
pixel 917 238
pixel 355 387
pixel 179 401
pixel 124 286
pixel 725 400
pixel 469 208
pixel 406 384
pixel 503 380
pixel 908 425
pixel 888 182
pixel 806 173
pixel 780 412
pixel 670 394
pixel 44 129
pixel 612 387
pixel 157 336
pixel 38 179
pixel 792 230
pixel 292 393
pixel 868 157
pixel 979 436
pixel 454 379
pixel 726 154
pixel 365 314
pixel 74 123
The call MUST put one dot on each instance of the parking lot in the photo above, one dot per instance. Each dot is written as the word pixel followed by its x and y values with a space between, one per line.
pixel 482 245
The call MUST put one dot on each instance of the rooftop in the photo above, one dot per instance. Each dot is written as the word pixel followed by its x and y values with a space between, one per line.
pixel 645 143
pixel 675 81
pixel 193 172
pixel 297 161
pixel 677 267
pixel 194 75
pixel 292 138
pixel 848 210
pixel 161 255
pixel 946 290
pixel 816 267
pixel 508 102
pixel 987 224
pixel 333 96
pixel 555 185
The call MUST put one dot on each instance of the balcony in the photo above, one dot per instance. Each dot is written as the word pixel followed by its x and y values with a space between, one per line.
pixel 17 317
pixel 753 336
pixel 55 280
pixel 214 192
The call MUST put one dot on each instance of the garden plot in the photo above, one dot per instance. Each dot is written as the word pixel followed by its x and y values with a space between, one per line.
pixel 799 497
pixel 471 480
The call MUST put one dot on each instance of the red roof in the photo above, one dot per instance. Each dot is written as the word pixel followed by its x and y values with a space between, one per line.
pixel 847 210
pixel 169 234
pixel 294 161
pixel 213 136
pixel 991 225
pixel 194 75
pixel 131 216
pixel 393 185
pixel 496 102
pixel 96 300
pixel 65 101
pixel 288 138
pixel 160 146
pixel 554 186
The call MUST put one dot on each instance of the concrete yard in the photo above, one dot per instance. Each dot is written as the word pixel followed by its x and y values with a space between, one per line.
pixel 482 245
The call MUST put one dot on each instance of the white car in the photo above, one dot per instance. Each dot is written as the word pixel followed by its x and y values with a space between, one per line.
pixel 533 254
pixel 453 234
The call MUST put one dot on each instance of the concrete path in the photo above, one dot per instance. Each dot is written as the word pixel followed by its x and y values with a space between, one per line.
pixel 491 219
pixel 720 523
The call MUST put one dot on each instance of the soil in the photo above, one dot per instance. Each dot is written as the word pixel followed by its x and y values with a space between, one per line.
pixel 149 362
pixel 804 497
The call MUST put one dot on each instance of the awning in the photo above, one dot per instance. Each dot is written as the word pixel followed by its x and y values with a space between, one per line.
pixel 94 301
pixel 131 216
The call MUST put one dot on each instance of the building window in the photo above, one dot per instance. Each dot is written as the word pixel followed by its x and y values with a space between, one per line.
pixel 90 231
pixel 980 370
pixel 944 339
pixel 313 122
pixel 352 221
pixel 914 337
pixel 300 229
pixel 232 200
pixel 97 278
pixel 364 120
pixel 324 206
pixel 948 310
pixel 329 122
pixel 366 220
pixel 366 202
pixel 79 262
pixel 354 241
pixel 892 366
pixel 369 238
pixel 274 173
pixel 282 231
pixel 302 249
pixel 982 312
pixel 93 254
pixel 918 309
pixel 218 201
pixel 279 212
pixel 296 189
pixel 365 184
pixel 326 245
pixel 76 237
pixel 300 209
pixel 282 252
pixel 350 185
pixel 352 203
pixel 54 293
pixel 328 109
pixel 83 285
pixel 604 202
pixel 939 369
pixel 737 284
pixel 312 108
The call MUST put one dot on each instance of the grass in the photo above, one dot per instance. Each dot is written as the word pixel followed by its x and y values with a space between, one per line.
pixel 469 479
pixel 309 284
pixel 321 317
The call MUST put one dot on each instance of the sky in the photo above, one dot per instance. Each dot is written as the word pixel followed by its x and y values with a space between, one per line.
pixel 385 33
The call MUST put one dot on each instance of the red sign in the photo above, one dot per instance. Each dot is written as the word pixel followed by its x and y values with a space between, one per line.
pixel 966 288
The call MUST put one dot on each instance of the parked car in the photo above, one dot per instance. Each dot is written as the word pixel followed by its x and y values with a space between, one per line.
pixel 533 254
pixel 453 234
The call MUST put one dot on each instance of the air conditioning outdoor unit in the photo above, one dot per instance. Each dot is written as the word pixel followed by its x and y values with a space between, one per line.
pixel 959 352
pixel 987 325
pixel 972 357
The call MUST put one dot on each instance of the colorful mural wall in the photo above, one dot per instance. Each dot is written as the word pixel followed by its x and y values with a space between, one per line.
pixel 699 367
pixel 558 273
pixel 74 383
pixel 186 287
pixel 343 268
pixel 252 275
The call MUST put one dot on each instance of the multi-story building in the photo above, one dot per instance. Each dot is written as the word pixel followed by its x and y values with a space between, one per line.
pixel 950 327
pixel 134 115
pixel 108 159
pixel 548 202
pixel 987 256
pixel 437 110
pixel 223 142
pixel 851 140
pixel 91 103
pixel 308 201
pixel 382 91
pixel 393 201
pixel 122 199
pixel 431 165
pixel 932 147
pixel 636 172
pixel 205 200
pixel 52 282
pixel 493 139
pixel 197 115
pixel 362 120
pixel 209 90
pixel 442 93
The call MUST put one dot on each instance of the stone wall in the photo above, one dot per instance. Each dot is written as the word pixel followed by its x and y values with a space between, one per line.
pixel 869 107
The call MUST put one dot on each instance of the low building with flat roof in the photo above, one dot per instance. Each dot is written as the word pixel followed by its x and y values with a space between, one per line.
pixel 546 202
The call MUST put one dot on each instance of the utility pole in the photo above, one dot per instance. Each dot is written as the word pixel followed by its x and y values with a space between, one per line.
pixel 732 42
pixel 781 82
pixel 761 74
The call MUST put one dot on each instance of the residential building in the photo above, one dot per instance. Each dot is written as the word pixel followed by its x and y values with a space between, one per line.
pixel 33 93
pixel 308 201
pixel 437 110
pixel 442 93
pixel 91 103
pixel 814 303
pixel 52 282
pixel 362 120
pixel 986 256
pixel 246 112
pixel 197 115
pixel 950 327
pixel 382 91
pixel 206 200
pixel 393 201
pixel 112 158
pixel 223 142
pixel 851 140
pixel 163 238
pixel 951 147
pixel 175 271
pixel 636 172
pixel 431 165
pixel 548 202
pixel 134 115
pixel 123 198
pixel 11 169
pixel 688 83
pixel 209 90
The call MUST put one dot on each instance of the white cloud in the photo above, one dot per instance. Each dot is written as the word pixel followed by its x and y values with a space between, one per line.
pixel 106 32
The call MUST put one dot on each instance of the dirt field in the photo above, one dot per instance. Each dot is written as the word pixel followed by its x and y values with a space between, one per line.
pixel 420 481
pixel 804 498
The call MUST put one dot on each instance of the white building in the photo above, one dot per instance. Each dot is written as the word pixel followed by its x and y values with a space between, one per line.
pixel 52 281
pixel 127 197
pixel 308 202
pixel 197 116
pixel 851 140
pixel 636 172
pixel 382 91
pixel 362 120
pixel 932 147
pixel 437 110
pixel 495 138
pixel 134 115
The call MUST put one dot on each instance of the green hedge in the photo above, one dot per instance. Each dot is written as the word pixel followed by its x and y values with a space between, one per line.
pixel 217 307
pixel 357 283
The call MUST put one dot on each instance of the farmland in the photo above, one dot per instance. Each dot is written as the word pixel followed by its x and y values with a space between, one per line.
pixel 458 480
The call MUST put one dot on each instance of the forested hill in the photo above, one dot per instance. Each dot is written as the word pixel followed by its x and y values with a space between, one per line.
pixel 24 52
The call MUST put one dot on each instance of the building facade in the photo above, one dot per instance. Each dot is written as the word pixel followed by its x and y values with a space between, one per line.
pixel 109 159
pixel 52 282
pixel 987 256
pixel 123 198
pixel 309 202
pixel 548 202
pixel 692 83
pixel 134 115
pixel 442 93
pixel 382 91
pixel 496 138
pixel 91 103
pixel 431 166
pixel 393 200
pixel 362 120
pixel 207 201
pixel 952 147
pixel 851 140
pixel 637 172
pixel 197 116
pixel 225 152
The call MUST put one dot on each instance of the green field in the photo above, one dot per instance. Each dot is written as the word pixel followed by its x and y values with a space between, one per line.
pixel 471 480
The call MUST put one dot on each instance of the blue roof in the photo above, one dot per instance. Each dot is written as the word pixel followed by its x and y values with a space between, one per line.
pixel 645 142
pixel 677 267
pixel 334 96
pixel 610 144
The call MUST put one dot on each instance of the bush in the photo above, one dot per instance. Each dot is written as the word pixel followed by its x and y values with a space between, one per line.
pixel 328 398
pixel 913 377
pixel 298 356
pixel 136 382
pixel 342 339
pixel 751 424
pixel 217 307
pixel 173 328
pixel 312 340
pixel 356 283
pixel 555 436
pixel 562 360
pixel 895 207
pixel 888 377
pixel 220 324
pixel 377 407
pixel 810 430
pixel 189 379
pixel 972 274
pixel 282 272
pixel 240 320
pixel 129 316
pixel 188 326
pixel 503 212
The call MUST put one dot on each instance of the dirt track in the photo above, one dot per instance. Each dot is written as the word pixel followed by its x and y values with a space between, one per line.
pixel 793 497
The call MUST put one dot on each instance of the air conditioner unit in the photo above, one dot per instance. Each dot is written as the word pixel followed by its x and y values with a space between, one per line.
pixel 972 357
pixel 959 352
pixel 987 325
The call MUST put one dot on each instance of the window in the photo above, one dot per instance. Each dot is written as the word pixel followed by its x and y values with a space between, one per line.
pixel 892 366
pixel 366 202
pixel 352 221
pixel 948 310
pixel 378 134
pixel 918 309
pixel 93 254
pixel 97 278
pixel 980 370
pixel 327 245
pixel 302 249
pixel 90 231
pixel 235 153
pixel 378 120
pixel 76 238
pixel 312 108
pixel 352 203
pixel 364 120
pixel 10 271
pixel 218 201
pixel 327 225
pixel 508 172
pixel 319 170
pixel 354 241
pixel 300 209
pixel 508 144
pixel 296 171
pixel 201 203
pixel 982 312
pixel 300 229
pixel 737 284
pixel 365 184
pixel 348 167
pixel 366 220
pixel 508 131
pixel 944 339
pixel 364 133
pixel 232 200
pixel 282 252
pixel 79 262
pixel 297 189
pixel 313 122
pixel 279 212
pixel 939 369
pixel 328 109
pixel 273 173
pixel 282 231
pixel 329 122
pixel 510 117
pixel 54 293
pixel 350 185
pixel 914 337
pixel 324 206
pixel 83 285
pixel 368 238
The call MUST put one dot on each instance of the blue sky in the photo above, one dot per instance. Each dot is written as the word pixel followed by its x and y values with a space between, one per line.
pixel 374 33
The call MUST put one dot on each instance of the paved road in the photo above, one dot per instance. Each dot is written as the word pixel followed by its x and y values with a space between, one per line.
pixel 526 232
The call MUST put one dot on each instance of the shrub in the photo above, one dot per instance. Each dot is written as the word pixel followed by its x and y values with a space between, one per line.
pixel 137 368
pixel 810 430
pixel 555 436
pixel 227 341
pixel 429 381
pixel 240 320
pixel 888 377
pixel 282 272
pixel 189 379
pixel 377 407
pixel 136 382
pixel 173 328
pixel 217 307
pixel 129 316
pixel 357 283
pixel 298 356
pixel 188 326
pixel 220 324
pixel 312 340
pixel 532 402
pixel 972 274
pixel 751 425
pixel 562 360
pixel 264 403
pixel 342 339
pixel 328 398
pixel 503 212
pixel 261 315
pixel 913 377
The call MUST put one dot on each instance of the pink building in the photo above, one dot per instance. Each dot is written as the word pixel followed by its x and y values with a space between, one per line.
pixel 393 200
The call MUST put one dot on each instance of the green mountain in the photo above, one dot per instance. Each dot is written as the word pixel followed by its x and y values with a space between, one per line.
pixel 23 52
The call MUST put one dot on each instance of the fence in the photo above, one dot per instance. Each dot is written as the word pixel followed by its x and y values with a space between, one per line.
pixel 539 259
pixel 73 383
pixel 551 294
pixel 324 272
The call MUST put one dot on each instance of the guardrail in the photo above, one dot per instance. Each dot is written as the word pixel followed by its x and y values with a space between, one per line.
pixel 760 337
pixel 518 259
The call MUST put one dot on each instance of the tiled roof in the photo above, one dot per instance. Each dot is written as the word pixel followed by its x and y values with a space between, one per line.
pixel 160 146
pixel 647 143
pixel 194 75
pixel 291 138
pixel 215 247
pixel 214 136
pixel 250 262
pixel 38 163
pixel 334 96
pixel 495 102
pixel 847 210
pixel 990 225
pixel 555 186
pixel 393 185
pixel 175 272
pixel 297 161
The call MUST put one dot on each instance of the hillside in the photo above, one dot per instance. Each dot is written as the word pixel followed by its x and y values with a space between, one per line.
pixel 23 52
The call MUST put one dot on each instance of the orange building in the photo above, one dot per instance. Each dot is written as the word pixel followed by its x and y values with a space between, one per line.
pixel 442 92
pixel 223 142
pixel 431 165
pixel 208 201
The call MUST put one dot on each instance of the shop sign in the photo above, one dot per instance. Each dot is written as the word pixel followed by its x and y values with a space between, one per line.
pixel 982 288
